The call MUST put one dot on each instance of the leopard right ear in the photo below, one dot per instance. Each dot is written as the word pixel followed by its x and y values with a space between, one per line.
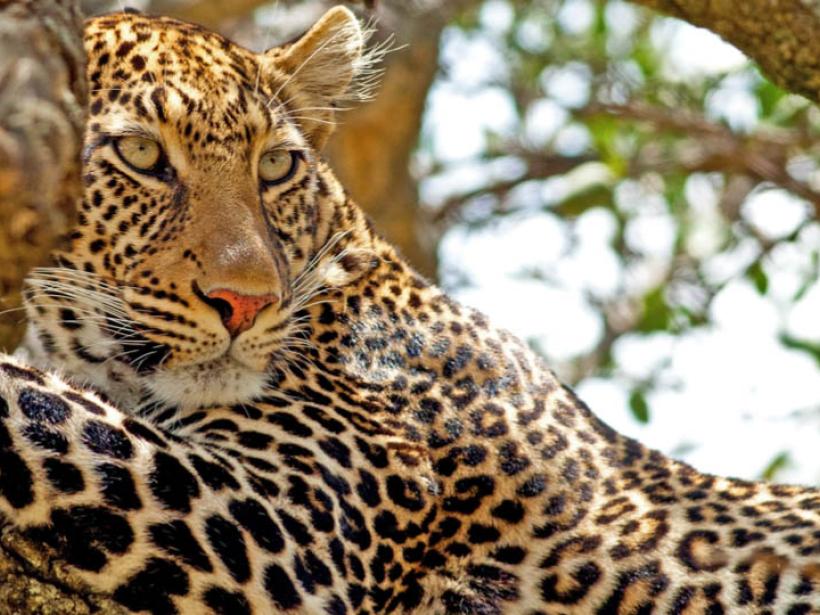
pixel 313 73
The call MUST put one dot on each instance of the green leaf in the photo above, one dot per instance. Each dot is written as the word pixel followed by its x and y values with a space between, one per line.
pixel 656 314
pixel 586 198
pixel 639 406
pixel 780 462
pixel 769 95
pixel 812 348
pixel 758 277
pixel 810 280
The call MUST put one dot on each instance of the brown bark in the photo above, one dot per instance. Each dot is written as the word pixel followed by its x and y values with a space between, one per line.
pixel 214 13
pixel 33 583
pixel 42 107
pixel 42 114
pixel 780 35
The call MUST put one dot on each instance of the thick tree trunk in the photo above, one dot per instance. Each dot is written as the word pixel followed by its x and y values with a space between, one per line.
pixel 780 35
pixel 42 107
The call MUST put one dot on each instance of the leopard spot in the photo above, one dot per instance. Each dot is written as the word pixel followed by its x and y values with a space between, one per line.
pixel 700 550
pixel 42 406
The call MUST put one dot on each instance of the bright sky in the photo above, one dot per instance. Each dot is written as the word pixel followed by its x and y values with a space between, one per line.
pixel 737 397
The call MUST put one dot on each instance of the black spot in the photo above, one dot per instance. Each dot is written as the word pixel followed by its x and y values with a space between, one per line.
pixel 651 583
pixel 138 62
pixel 157 96
pixel 429 409
pixel 18 373
pixel 106 440
pixel 223 602
pixel 15 476
pixel 40 435
pixel 68 319
pixel 687 556
pixel 4 408
pixel 125 48
pixel 479 533
pixel 290 424
pixel 41 406
pixel 532 487
pixel 118 487
pixel 150 588
pixel 81 533
pixel 368 489
pixel 65 477
pixel 510 511
pixel 142 432
pixel 295 528
pixel 172 484
pixel 405 493
pixel 335 606
pixel 229 544
pixel 376 454
pixel 213 475
pixel 472 490
pixel 253 517
pixel 337 450
pixel 175 538
pixel 311 572
pixel 354 527
pixel 281 588
pixel 586 577
pixel 254 440
pixel 86 403
pixel 96 246
pixel 320 416
pixel 334 481
pixel 509 554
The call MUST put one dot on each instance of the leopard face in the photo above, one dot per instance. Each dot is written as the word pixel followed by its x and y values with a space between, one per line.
pixel 205 224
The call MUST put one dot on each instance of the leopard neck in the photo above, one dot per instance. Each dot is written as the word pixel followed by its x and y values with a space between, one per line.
pixel 441 374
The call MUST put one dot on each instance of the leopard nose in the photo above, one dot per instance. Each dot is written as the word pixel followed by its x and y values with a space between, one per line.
pixel 238 311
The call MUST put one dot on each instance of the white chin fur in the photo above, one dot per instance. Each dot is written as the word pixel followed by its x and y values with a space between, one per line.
pixel 222 381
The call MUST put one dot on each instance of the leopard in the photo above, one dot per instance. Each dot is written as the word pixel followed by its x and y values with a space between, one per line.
pixel 236 397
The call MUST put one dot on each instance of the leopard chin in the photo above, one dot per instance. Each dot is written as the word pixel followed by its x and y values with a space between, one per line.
pixel 220 381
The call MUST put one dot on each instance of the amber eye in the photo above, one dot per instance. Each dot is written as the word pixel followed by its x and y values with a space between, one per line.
pixel 139 152
pixel 276 166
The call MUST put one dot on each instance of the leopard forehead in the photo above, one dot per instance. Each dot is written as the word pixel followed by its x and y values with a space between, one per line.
pixel 146 71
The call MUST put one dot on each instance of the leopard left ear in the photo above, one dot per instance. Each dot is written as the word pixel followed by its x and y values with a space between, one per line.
pixel 318 69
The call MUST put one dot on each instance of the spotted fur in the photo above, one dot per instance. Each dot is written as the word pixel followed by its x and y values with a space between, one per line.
pixel 368 445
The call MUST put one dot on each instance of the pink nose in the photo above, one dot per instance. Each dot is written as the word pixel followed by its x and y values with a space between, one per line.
pixel 238 311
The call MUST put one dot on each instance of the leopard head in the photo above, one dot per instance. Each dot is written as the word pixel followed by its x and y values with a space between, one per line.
pixel 209 220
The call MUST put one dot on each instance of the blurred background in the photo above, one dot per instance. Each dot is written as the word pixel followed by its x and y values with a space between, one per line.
pixel 622 190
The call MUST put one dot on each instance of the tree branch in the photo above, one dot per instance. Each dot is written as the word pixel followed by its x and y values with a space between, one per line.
pixel 713 147
pixel 780 35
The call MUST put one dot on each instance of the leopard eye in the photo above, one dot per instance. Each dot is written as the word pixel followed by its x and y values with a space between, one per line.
pixel 277 166
pixel 141 153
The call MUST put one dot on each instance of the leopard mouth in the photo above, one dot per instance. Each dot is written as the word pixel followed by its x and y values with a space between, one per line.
pixel 139 352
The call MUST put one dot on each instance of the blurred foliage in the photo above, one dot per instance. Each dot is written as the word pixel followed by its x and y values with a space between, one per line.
pixel 706 157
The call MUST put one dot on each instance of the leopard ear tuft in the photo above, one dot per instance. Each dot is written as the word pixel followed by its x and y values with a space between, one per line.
pixel 324 68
